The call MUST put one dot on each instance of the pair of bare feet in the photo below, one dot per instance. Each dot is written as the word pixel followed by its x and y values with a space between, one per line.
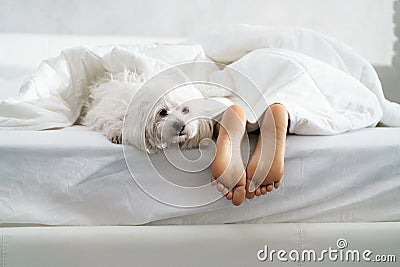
pixel 265 167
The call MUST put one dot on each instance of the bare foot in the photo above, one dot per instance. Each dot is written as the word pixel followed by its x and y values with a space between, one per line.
pixel 228 171
pixel 266 165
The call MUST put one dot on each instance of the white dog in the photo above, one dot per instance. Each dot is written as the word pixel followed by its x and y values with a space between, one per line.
pixel 155 117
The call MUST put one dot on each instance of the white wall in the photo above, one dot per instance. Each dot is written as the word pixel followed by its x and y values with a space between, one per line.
pixel 366 25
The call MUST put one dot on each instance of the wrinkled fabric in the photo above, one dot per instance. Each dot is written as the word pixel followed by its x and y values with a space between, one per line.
pixel 234 42
pixel 53 96
pixel 326 86
pixel 74 176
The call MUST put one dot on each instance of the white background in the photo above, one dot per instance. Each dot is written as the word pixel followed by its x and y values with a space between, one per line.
pixel 366 25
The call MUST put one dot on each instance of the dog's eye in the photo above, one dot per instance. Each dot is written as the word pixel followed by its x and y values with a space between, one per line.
pixel 185 110
pixel 163 112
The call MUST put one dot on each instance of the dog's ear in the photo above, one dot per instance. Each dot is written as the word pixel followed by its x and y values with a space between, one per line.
pixel 152 140
pixel 205 129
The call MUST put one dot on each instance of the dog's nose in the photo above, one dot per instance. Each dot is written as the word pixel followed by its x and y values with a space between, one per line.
pixel 179 126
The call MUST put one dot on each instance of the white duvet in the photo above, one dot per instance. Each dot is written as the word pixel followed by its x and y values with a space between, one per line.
pixel 326 86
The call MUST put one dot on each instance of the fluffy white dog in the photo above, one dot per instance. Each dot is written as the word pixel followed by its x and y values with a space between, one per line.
pixel 156 113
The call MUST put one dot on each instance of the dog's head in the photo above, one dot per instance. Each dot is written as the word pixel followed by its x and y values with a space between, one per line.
pixel 157 118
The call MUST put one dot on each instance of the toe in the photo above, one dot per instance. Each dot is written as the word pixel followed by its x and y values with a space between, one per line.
pixel 238 195
pixel 220 187
pixel 277 184
pixel 270 187
pixel 263 190
pixel 249 195
pixel 225 191
pixel 213 181
pixel 229 196
pixel 258 192
pixel 239 192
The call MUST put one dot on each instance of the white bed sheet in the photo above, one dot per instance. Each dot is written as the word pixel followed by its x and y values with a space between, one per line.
pixel 73 176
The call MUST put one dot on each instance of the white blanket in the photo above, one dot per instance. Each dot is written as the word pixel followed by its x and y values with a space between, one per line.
pixel 326 87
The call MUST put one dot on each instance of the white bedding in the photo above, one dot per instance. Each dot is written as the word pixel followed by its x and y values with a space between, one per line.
pixel 17 62
pixel 326 87
pixel 73 176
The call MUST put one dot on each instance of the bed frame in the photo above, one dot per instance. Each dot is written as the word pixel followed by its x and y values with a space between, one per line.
pixel 368 28
pixel 211 245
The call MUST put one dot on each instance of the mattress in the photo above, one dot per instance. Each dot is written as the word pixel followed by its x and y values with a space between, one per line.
pixel 74 176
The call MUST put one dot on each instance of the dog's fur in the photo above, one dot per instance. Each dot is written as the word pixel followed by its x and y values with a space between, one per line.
pixel 154 118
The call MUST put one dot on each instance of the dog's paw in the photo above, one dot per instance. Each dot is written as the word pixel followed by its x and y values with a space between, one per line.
pixel 117 139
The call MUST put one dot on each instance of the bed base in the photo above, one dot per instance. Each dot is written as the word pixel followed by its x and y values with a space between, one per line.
pixel 207 245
